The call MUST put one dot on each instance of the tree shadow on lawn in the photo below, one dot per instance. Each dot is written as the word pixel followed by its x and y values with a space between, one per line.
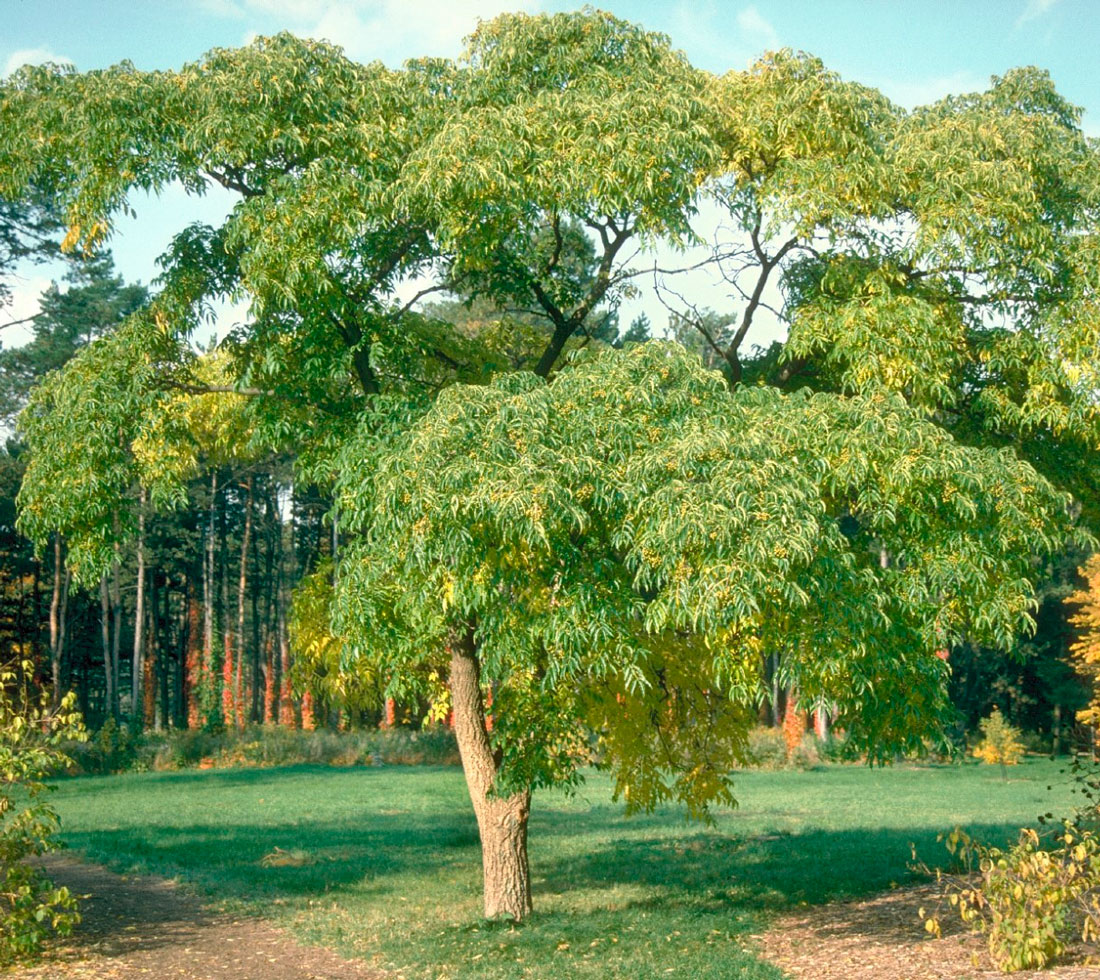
pixel 776 871
pixel 313 857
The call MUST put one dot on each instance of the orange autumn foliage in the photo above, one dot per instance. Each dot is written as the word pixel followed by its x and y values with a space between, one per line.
pixel 1085 652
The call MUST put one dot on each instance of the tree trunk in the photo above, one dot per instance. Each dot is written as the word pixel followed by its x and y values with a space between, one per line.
pixel 194 662
pixel 105 627
pixel 256 712
pixel 137 672
pixel 221 616
pixel 285 714
pixel 501 821
pixel 59 602
pixel 242 595
pixel 208 590
pixel 116 623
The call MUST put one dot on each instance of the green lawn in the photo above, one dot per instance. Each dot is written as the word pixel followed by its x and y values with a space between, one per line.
pixel 394 872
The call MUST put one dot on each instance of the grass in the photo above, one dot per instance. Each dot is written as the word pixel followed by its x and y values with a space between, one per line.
pixel 384 862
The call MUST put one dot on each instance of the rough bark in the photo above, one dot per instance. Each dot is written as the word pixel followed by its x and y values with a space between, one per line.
pixel 501 821
pixel 256 712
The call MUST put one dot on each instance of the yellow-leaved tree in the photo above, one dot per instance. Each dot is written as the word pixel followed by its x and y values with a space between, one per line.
pixel 1086 651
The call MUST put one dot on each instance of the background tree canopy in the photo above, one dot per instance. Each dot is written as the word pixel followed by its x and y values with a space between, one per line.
pixel 627 542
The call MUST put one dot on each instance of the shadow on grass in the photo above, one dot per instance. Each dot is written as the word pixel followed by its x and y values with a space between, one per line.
pixel 320 856
pixel 703 870
pixel 766 871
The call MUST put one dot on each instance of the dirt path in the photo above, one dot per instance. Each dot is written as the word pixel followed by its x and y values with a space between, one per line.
pixel 883 939
pixel 145 928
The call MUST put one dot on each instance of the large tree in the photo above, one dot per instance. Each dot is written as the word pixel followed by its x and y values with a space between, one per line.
pixel 936 269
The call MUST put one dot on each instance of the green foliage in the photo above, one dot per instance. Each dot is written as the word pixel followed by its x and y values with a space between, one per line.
pixel 113 748
pixel 31 735
pixel 631 539
pixel 1031 901
pixel 80 424
pixel 319 655
pixel 1000 742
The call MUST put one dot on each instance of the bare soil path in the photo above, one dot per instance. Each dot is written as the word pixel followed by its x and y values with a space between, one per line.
pixel 142 927
pixel 883 938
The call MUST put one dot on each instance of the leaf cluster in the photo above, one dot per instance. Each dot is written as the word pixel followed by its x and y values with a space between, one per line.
pixel 635 533
pixel 32 736
pixel 1032 900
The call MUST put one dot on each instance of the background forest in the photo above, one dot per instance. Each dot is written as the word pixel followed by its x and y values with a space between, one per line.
pixel 195 626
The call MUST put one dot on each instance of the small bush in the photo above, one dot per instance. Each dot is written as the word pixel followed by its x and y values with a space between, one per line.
pixel 1000 743
pixel 111 749
pixel 834 748
pixel 767 749
pixel 31 735
pixel 1030 902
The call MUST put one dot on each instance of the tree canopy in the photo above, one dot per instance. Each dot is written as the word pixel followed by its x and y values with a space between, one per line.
pixel 654 533
pixel 637 525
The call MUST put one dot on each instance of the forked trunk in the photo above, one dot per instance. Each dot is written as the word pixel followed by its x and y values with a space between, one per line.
pixel 501 821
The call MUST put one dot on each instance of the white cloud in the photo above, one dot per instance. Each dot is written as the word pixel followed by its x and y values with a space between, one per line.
pixel 1034 10
pixel 757 29
pixel 32 56
pixel 391 30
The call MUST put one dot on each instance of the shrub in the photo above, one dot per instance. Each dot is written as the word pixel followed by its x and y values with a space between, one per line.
pixel 834 748
pixel 1000 743
pixel 767 748
pixel 1030 902
pixel 31 735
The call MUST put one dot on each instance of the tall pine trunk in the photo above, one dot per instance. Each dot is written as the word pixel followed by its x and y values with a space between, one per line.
pixel 256 714
pixel 137 673
pixel 105 612
pixel 116 623
pixel 208 594
pixel 194 661
pixel 501 821
pixel 59 603
pixel 242 595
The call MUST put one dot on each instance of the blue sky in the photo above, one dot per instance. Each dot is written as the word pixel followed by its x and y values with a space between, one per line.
pixel 915 52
